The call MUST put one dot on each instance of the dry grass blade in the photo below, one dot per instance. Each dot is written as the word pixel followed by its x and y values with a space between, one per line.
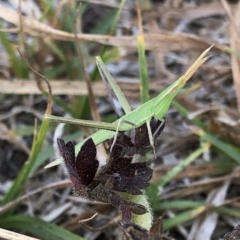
pixel 204 225
pixel 71 88
pixel 169 13
pixel 200 186
pixel 9 235
pixel 234 14
pixel 169 42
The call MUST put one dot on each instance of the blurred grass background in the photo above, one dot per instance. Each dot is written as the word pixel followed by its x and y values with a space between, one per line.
pixel 195 186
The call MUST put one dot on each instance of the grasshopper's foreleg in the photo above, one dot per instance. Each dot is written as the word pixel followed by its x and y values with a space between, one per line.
pixel 153 135
pixel 150 135
pixel 116 134
pixel 117 130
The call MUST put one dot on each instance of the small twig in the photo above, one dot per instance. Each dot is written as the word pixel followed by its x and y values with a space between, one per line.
pixel 87 219
pixel 93 104
pixel 55 185
pixel 23 41
pixel 49 105
pixel 97 229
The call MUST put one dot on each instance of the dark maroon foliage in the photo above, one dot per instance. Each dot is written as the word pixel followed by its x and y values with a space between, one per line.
pixel 141 144
pixel 142 137
pixel 68 154
pixel 124 176
pixel 132 231
pixel 118 175
pixel 86 163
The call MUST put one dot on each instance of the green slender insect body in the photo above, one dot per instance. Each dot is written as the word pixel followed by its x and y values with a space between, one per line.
pixel 136 116
pixel 156 107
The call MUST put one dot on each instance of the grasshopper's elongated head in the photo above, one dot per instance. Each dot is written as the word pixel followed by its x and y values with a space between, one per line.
pixel 165 98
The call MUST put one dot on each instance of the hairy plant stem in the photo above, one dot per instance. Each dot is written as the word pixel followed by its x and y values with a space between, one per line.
pixel 144 220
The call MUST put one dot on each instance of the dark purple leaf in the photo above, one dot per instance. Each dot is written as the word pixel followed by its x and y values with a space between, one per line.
pixel 129 185
pixel 102 194
pixel 119 174
pixel 141 143
pixel 135 208
pixel 116 163
pixel 126 142
pixel 134 167
pixel 86 163
pixel 67 152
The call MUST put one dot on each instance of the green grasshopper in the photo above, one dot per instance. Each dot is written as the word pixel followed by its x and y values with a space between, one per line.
pixel 156 107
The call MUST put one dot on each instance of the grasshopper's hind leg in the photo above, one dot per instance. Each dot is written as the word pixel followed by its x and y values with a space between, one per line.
pixel 160 128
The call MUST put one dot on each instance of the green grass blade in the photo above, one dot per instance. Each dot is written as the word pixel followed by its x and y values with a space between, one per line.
pixel 26 169
pixel 234 212
pixel 143 67
pixel 183 217
pixel 38 227
pixel 227 148
pixel 142 62
pixel 36 148
pixel 117 17
pixel 178 205
pixel 106 75
pixel 197 208
pixel 143 70
pixel 13 60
